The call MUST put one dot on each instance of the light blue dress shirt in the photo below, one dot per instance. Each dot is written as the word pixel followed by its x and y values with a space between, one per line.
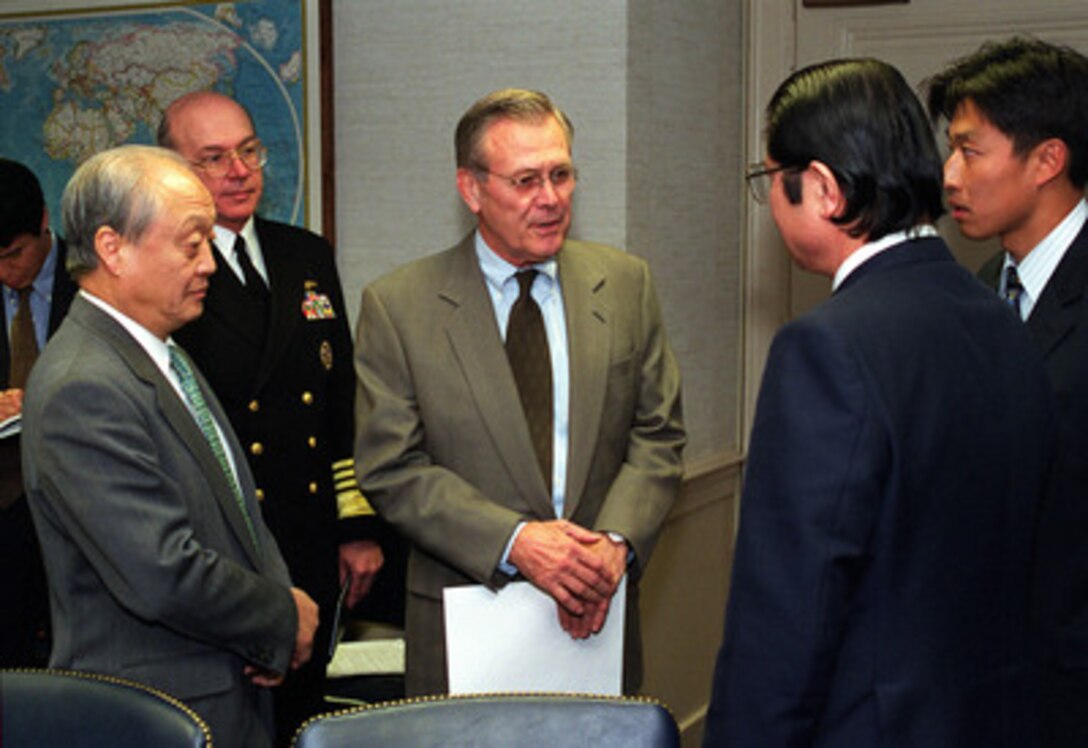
pixel 503 289
pixel 1043 259
pixel 41 297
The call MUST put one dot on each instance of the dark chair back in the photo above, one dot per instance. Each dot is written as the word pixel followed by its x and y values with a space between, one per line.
pixel 493 720
pixel 69 709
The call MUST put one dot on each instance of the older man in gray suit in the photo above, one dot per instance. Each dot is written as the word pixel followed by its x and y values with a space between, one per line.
pixel 160 568
pixel 519 406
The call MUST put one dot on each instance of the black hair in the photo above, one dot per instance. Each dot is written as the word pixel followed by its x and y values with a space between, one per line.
pixel 21 203
pixel 861 119
pixel 1029 89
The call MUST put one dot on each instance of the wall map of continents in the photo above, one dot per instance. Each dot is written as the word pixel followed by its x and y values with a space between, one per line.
pixel 72 84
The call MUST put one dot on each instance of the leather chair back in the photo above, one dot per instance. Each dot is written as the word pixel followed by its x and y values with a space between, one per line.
pixel 494 720
pixel 68 708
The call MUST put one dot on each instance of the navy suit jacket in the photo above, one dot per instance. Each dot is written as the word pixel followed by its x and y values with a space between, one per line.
pixel 881 578
pixel 1059 325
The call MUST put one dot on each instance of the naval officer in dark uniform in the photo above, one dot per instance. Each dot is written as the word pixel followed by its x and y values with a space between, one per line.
pixel 275 344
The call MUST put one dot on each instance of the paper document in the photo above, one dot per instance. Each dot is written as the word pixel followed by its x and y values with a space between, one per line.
pixel 11 426
pixel 511 641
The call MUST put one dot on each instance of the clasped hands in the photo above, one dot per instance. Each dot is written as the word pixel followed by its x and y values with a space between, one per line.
pixel 578 568
pixel 11 403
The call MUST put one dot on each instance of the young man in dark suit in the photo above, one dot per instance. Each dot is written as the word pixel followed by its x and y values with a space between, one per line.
pixel 274 341
pixel 1017 117
pixel 37 291
pixel 898 454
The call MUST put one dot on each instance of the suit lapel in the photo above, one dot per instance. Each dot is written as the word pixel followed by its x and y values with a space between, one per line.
pixel 487 372
pixel 227 301
pixel 178 416
pixel 1057 310
pixel 588 334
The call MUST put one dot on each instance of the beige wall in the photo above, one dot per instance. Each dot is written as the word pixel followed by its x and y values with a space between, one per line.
pixel 654 89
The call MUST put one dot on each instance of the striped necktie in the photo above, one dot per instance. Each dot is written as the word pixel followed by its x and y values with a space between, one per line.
pixel 1014 290
pixel 179 362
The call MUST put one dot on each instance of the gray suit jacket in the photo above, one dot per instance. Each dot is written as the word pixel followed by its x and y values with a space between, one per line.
pixel 152 572
pixel 444 451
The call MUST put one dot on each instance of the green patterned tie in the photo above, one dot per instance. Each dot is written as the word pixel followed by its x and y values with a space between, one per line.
pixel 179 362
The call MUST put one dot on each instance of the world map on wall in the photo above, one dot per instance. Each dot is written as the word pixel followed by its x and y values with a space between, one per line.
pixel 73 84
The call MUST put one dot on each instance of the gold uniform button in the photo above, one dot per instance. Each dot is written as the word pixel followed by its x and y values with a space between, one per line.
pixel 312 441
pixel 313 488
pixel 307 398
pixel 260 494
pixel 254 406
pixel 256 449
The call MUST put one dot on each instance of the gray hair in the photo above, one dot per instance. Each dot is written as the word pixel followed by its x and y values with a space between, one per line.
pixel 115 188
pixel 516 104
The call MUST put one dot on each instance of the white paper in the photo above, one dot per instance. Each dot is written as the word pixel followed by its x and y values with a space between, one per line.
pixel 512 641
pixel 11 426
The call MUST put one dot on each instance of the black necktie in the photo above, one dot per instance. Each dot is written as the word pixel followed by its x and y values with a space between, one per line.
pixel 1013 289
pixel 254 282
pixel 24 341
pixel 530 361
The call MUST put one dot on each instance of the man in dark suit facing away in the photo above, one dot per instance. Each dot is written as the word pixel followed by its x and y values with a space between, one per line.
pixel 1017 116
pixel 898 455
pixel 37 291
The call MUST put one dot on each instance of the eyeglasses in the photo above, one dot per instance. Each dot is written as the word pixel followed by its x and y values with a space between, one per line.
pixel 561 177
pixel 759 180
pixel 253 154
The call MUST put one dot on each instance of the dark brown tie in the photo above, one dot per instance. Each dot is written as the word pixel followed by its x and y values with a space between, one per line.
pixel 24 343
pixel 530 361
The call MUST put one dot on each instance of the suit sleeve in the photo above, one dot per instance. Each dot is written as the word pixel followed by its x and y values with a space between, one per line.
pixel 818 459
pixel 649 477
pixel 104 483
pixel 429 503
pixel 358 520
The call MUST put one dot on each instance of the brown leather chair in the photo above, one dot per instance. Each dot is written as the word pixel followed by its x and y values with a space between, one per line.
pixel 494 720
pixel 68 708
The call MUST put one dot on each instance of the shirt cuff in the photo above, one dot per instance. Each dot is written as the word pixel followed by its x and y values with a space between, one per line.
pixel 505 566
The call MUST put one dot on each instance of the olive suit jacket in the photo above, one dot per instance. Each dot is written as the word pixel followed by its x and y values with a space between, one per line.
pixel 444 452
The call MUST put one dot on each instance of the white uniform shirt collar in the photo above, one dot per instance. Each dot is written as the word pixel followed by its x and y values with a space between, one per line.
pixel 224 239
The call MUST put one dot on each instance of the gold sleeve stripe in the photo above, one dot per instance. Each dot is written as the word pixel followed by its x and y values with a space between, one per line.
pixel 350 501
